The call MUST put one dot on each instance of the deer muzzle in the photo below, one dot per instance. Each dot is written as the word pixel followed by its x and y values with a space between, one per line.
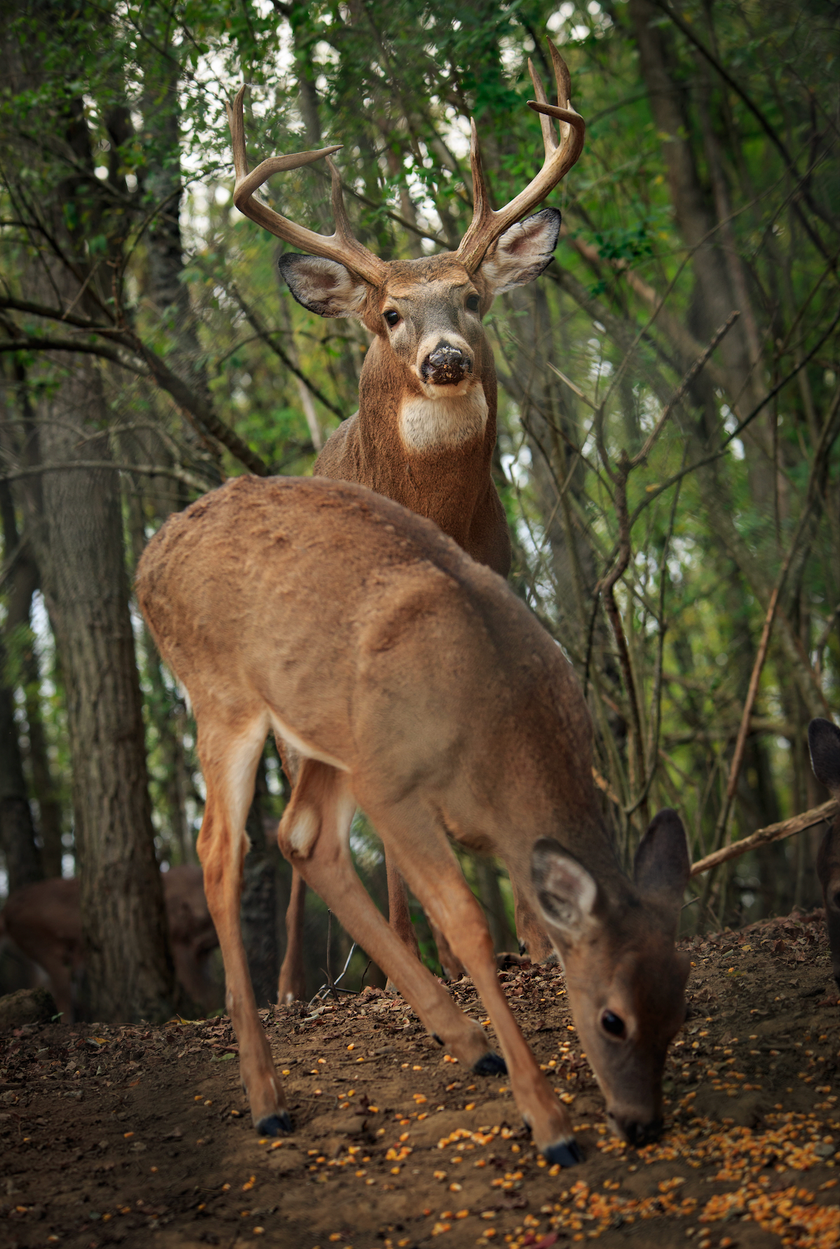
pixel 636 1133
pixel 446 366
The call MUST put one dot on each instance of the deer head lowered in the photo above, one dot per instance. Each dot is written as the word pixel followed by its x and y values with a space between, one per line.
pixel 426 426
pixel 412 682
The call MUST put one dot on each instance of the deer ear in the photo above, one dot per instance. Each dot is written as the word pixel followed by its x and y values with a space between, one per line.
pixel 522 252
pixel 566 893
pixel 824 744
pixel 323 286
pixel 663 864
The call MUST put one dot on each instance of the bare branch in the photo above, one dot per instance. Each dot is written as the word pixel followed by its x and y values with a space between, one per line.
pixel 773 832
pixel 36 343
pixel 194 407
pixel 142 470
pixel 267 336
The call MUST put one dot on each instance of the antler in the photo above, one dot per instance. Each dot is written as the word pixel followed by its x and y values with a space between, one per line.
pixel 487 225
pixel 340 246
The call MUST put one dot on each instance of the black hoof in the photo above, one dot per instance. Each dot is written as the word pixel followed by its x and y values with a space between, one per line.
pixel 275 1125
pixel 568 1153
pixel 490 1064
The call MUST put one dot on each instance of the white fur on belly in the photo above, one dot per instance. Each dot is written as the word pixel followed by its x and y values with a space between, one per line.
pixel 425 424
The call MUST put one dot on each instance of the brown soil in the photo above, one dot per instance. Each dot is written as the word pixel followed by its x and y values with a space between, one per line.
pixel 139 1136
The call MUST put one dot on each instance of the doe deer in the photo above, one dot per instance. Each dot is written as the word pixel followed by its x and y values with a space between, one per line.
pixel 824 743
pixel 44 920
pixel 426 426
pixel 413 683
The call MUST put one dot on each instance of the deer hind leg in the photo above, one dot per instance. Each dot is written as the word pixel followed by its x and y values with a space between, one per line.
pixel 61 983
pixel 314 836
pixel 291 985
pixel 399 915
pixel 450 965
pixel 229 757
pixel 433 874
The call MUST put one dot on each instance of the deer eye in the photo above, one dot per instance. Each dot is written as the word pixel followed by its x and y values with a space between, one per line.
pixel 613 1024
pixel 392 317
pixel 473 303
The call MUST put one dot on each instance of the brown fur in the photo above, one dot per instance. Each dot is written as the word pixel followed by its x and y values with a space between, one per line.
pixel 451 485
pixel 413 683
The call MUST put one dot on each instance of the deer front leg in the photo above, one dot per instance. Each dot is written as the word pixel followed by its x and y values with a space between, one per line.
pixel 399 917
pixel 432 872
pixel 229 767
pixel 313 835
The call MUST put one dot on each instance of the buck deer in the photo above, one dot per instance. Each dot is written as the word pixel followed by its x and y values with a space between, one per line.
pixel 44 920
pixel 426 426
pixel 413 683
pixel 824 743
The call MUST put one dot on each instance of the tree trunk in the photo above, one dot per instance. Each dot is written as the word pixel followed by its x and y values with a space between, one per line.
pixel 25 581
pixel 17 832
pixel 128 968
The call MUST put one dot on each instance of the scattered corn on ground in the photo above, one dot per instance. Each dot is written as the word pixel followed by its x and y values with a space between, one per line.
pixel 141 1137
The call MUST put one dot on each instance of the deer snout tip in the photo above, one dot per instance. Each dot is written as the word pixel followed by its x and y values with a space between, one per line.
pixel 566 1153
pixel 635 1133
pixel 446 365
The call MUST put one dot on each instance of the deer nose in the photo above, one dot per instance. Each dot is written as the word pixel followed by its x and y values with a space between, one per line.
pixel 638 1134
pixel 446 365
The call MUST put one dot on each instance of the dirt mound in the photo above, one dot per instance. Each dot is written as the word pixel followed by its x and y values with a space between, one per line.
pixel 139 1136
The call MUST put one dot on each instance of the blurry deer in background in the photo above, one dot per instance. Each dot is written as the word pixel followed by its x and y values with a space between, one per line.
pixel 425 430
pixel 45 921
pixel 412 682
pixel 824 743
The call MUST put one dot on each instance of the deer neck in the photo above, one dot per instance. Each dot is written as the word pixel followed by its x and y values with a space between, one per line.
pixel 432 455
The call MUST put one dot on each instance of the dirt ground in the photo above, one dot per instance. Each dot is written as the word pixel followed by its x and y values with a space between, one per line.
pixel 139 1136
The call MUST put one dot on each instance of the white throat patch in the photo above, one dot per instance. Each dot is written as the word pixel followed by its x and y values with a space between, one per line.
pixel 426 424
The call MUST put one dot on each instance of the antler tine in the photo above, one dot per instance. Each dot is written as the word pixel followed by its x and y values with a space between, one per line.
pixel 487 225
pixel 549 137
pixel 340 246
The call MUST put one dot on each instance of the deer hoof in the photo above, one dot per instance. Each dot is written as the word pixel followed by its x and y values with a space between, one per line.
pixel 279 1124
pixel 567 1153
pixel 490 1064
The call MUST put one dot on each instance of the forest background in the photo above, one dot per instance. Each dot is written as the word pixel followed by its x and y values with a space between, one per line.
pixel 670 471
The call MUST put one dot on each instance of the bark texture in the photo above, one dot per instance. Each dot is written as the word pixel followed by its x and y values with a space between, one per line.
pixel 128 969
